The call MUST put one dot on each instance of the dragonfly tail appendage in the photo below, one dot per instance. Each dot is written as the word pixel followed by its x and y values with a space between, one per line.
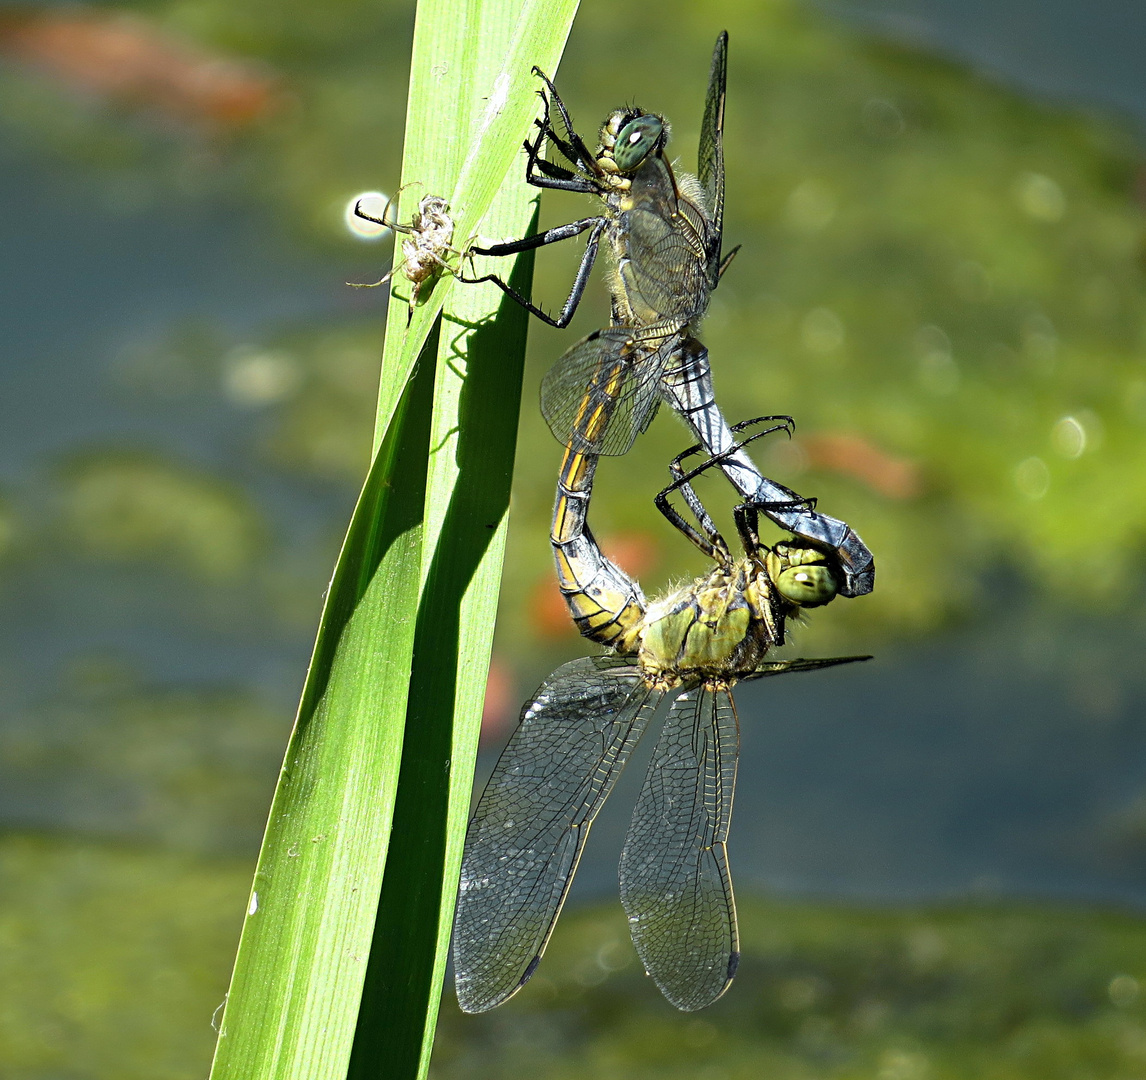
pixel 688 388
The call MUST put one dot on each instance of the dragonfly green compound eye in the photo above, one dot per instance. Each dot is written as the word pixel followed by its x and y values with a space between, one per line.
pixel 636 141
pixel 807 586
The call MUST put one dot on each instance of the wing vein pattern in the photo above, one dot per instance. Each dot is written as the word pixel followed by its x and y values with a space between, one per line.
pixel 675 883
pixel 529 830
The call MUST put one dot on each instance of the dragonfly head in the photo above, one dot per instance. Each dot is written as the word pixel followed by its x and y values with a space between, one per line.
pixel 803 575
pixel 628 137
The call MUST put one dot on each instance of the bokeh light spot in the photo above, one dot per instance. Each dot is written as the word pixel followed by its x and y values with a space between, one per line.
pixel 883 119
pixel 972 282
pixel 903 1065
pixel 937 370
pixel 822 331
pixel 810 207
pixel 253 378
pixel 373 203
pixel 1134 400
pixel 1039 197
pixel 1123 990
pixel 1032 478
pixel 1069 437
pixel 1040 342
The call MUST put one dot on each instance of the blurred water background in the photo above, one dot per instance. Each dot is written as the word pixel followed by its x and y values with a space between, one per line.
pixel 941 855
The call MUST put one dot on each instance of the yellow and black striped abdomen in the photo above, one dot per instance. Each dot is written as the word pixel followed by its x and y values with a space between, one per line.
pixel 606 604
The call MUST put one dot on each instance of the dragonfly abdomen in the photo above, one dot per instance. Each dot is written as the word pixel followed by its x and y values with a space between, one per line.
pixel 605 603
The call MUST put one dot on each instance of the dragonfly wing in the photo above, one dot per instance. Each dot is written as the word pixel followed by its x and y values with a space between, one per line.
pixel 666 273
pixel 783 667
pixel 675 883
pixel 710 160
pixel 530 826
pixel 602 393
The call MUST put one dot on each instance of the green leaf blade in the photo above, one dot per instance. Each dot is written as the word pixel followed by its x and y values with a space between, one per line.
pixel 302 956
pixel 379 769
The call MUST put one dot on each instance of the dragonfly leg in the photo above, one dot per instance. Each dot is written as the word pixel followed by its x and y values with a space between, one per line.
pixel 555 177
pixel 688 388
pixel 553 172
pixel 546 134
pixel 394 226
pixel 582 187
pixel 726 261
pixel 711 543
pixel 381 281
pixel 581 155
pixel 748 526
pixel 384 220
pixel 550 236
pixel 708 539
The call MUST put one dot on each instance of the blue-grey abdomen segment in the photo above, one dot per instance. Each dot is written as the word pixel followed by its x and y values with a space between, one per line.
pixel 687 386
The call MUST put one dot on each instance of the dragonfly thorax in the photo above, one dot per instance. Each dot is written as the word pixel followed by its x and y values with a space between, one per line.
pixel 719 628
pixel 716 630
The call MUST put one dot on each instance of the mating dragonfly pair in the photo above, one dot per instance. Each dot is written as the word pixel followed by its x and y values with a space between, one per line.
pixel 664 232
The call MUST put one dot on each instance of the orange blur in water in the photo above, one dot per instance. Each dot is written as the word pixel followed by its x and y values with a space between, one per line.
pixel 853 455
pixel 501 704
pixel 127 60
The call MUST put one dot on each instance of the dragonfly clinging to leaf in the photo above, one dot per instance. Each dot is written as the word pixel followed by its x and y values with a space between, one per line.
pixel 579 728
pixel 664 231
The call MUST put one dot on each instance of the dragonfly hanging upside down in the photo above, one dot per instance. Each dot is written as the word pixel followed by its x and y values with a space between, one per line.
pixel 577 732
pixel 664 231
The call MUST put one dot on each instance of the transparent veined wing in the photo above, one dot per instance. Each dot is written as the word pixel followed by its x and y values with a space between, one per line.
pixel 675 883
pixel 710 159
pixel 530 826
pixel 602 393
pixel 664 271
pixel 799 663
pixel 666 275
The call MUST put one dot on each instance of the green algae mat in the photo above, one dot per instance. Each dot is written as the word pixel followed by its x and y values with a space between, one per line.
pixel 120 956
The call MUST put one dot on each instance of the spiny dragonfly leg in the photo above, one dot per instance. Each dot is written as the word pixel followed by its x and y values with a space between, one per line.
pixel 546 134
pixel 687 386
pixel 711 542
pixel 535 159
pixel 580 155
pixel 568 180
pixel 551 178
pixel 552 175
pixel 550 236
